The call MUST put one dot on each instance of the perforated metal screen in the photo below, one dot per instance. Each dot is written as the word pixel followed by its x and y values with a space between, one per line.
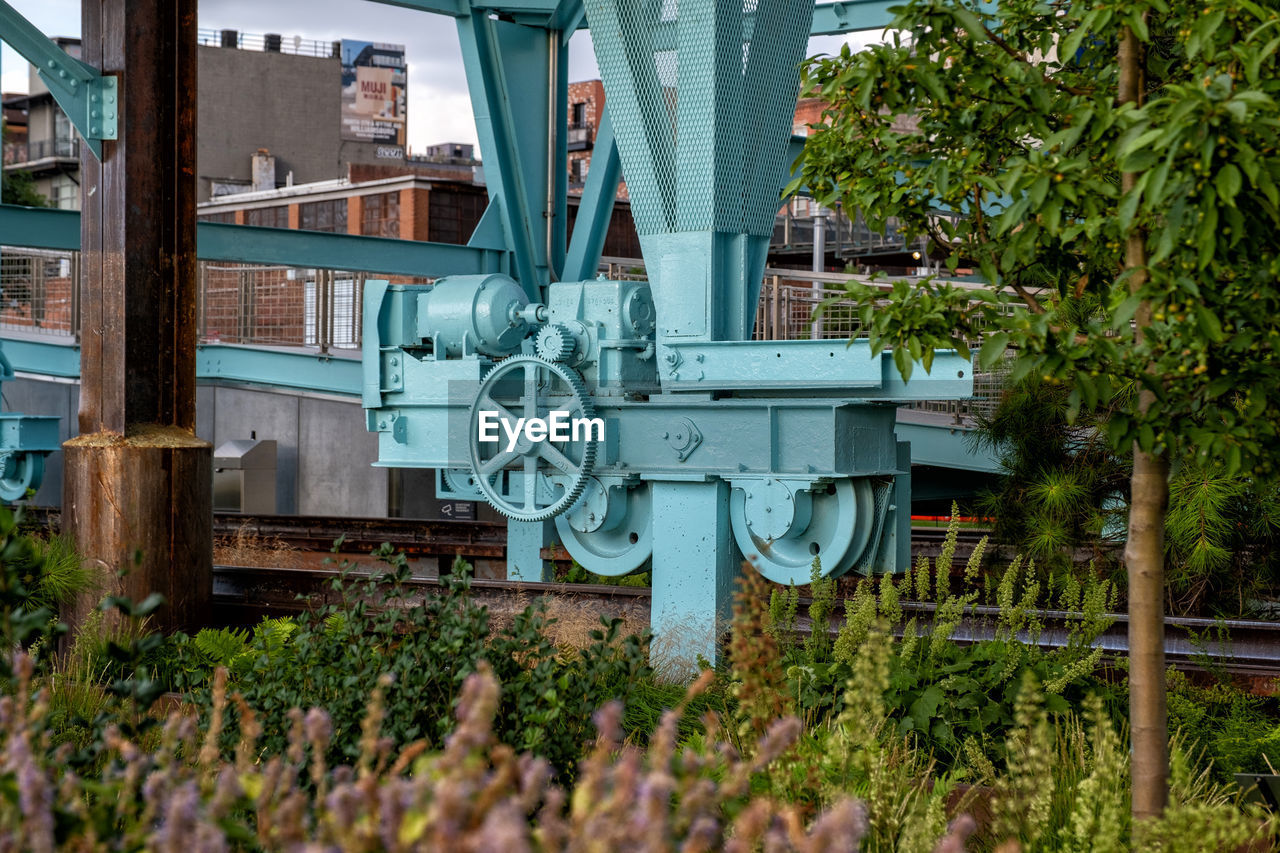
pixel 702 94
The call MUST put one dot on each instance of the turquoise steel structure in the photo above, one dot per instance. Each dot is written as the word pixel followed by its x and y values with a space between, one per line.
pixel 718 447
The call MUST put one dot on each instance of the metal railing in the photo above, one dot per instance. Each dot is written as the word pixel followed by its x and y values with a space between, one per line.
pixel 786 311
pixel 41 149
pixel 579 137
pixel 271 43
pixel 250 304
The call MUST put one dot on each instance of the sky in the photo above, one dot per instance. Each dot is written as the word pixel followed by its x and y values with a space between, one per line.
pixel 439 107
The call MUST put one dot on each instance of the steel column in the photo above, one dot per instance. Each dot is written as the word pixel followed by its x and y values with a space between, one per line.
pixel 137 480
pixel 525 541
pixel 692 594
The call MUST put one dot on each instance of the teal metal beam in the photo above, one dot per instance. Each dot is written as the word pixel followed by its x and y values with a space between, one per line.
pixel 44 228
pixel 831 19
pixel 943 445
pixel 281 368
pixel 216 241
pixel 301 369
pixel 39 227
pixel 47 357
pixel 596 209
pixel 89 99
pixel 509 77
pixel 828 18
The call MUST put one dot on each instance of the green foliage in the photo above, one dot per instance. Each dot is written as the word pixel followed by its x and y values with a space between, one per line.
pixel 1015 128
pixel 334 657
pixel 20 188
pixel 1239 731
pixel 1062 484
pixel 941 694
pixel 1064 490
pixel 25 619
pixel 1222 537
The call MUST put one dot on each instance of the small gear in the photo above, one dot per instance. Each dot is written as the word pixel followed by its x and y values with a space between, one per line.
pixel 555 342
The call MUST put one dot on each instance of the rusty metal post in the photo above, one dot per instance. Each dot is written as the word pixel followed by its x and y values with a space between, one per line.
pixel 137 488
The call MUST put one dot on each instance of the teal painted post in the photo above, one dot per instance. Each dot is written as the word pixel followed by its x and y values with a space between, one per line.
pixel 697 561
pixel 525 541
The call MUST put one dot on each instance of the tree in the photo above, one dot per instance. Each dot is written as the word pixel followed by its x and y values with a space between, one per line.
pixel 1124 154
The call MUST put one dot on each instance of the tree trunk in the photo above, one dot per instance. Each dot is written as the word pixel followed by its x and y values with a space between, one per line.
pixel 1144 551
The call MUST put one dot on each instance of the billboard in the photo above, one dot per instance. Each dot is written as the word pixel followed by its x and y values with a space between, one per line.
pixel 374 77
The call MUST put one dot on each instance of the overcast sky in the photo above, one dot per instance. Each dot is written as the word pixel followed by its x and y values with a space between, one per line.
pixel 439 107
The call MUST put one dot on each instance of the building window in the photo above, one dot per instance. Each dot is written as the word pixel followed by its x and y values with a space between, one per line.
pixel 268 217
pixel 381 215
pixel 329 216
pixel 64 193
pixel 454 215
pixel 579 115
pixel 225 216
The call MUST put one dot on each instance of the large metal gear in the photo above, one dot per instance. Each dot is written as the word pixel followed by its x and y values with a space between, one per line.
pixel 549 476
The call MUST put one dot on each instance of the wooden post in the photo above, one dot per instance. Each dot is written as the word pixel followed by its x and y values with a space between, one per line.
pixel 137 489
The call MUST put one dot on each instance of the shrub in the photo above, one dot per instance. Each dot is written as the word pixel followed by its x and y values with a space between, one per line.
pixel 332 659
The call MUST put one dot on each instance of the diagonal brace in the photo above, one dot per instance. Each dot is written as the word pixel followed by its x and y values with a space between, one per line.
pixel 90 100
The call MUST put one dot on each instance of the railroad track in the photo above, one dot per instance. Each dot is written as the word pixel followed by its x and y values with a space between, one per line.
pixel 1248 650
pixel 424 539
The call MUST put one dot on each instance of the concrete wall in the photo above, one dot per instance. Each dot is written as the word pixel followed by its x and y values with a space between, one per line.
pixel 287 104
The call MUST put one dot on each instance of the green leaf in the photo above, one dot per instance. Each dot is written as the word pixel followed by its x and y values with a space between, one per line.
pixel 993 348
pixel 1208 323
pixel 1228 182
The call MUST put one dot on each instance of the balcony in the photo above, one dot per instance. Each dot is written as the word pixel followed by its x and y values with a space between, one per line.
pixel 38 151
pixel 579 137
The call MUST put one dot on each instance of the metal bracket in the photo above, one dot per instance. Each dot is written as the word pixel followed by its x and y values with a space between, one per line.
pixel 90 99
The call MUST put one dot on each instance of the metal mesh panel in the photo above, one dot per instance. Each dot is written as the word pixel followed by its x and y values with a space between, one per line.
pixel 38 290
pixel 702 94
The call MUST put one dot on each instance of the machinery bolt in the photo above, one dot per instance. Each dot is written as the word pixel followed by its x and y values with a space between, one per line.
pixel 93 99
pixel 111 115
pixel 768 509
pixel 52 64
pixel 395 362
pixel 666 435
pixel 111 99
pixel 382 424
pixel 93 113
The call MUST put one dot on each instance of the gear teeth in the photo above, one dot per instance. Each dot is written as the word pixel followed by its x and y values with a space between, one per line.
pixel 555 342
pixel 585 468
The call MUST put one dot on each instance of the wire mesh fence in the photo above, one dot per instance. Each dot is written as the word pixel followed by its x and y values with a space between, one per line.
pixel 251 304
pixel 280 306
pixel 38 291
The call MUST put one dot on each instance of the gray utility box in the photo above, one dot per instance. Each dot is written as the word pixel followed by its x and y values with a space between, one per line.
pixel 244 477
